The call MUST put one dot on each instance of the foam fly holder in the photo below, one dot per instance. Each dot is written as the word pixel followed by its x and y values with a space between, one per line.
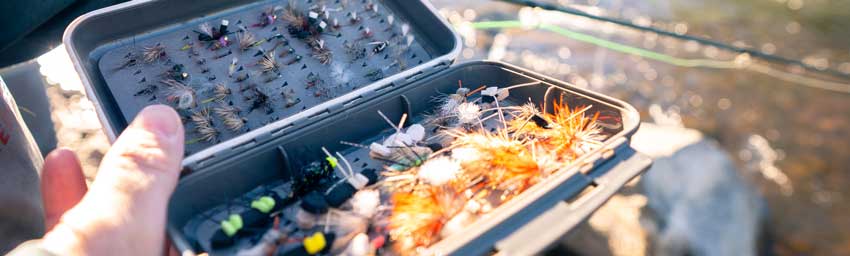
pixel 230 168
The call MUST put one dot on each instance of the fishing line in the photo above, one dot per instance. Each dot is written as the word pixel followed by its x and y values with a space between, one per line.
pixel 704 41
pixel 676 61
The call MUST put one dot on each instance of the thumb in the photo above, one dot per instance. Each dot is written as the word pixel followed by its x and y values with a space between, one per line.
pixel 125 208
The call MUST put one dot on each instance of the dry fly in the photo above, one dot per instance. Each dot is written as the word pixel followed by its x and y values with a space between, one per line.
pixel 335 24
pixel 220 92
pixel 267 17
pixel 290 97
pixel 153 53
pixel 367 33
pixel 230 117
pixel 355 51
pixel 258 100
pixel 205 30
pixel 324 56
pixel 507 164
pixel 353 17
pixel 417 217
pixel 371 7
pixel 567 133
pixel 297 22
pixel 390 21
pixel 320 52
pixel 269 63
pixel 206 33
pixel 231 69
pixel 178 92
pixel 203 125
pixel 247 40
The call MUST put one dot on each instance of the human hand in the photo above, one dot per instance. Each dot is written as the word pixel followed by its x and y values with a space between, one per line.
pixel 124 212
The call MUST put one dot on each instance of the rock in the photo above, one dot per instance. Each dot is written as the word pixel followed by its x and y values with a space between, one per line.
pixel 701 204
pixel 691 202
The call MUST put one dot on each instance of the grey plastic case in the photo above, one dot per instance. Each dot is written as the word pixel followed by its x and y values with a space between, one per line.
pixel 233 167
pixel 95 35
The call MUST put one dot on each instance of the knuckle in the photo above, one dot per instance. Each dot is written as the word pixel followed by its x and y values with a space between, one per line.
pixel 146 152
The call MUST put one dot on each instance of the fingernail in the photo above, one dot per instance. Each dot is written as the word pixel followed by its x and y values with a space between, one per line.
pixel 59 153
pixel 159 119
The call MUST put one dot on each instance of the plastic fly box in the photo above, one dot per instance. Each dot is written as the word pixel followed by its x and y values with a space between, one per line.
pixel 389 56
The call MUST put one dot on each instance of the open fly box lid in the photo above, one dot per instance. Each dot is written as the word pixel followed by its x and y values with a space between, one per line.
pixel 274 148
pixel 130 55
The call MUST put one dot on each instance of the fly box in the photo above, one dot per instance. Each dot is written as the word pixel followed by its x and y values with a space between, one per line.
pixel 298 113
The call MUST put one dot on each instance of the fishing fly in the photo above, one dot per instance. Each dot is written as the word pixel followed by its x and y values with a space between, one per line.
pixel 247 40
pixel 204 125
pixel 153 53
pixel 268 63
pixel 230 117
pixel 179 93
